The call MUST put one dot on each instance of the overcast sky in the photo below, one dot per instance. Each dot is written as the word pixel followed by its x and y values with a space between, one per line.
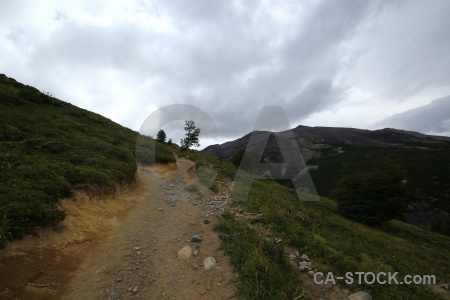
pixel 328 63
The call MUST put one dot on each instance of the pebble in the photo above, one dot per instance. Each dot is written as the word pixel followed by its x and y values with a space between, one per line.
pixel 135 289
pixel 305 263
pixel 360 296
pixel 130 200
pixel 195 252
pixel 137 248
pixel 311 274
pixel 305 257
pixel 195 266
pixel 209 263
pixel 196 238
pixel 185 252
pixel 119 279
pixel 160 209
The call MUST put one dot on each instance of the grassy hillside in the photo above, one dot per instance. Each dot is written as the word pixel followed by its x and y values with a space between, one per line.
pixel 48 147
pixel 425 158
pixel 427 171
pixel 334 243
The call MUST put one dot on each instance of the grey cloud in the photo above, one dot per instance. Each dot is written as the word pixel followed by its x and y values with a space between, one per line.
pixel 317 96
pixel 291 75
pixel 406 51
pixel 432 118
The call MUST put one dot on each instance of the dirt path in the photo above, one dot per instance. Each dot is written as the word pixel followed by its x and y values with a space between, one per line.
pixel 133 254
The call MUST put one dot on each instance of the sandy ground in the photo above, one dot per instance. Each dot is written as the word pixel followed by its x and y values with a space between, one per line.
pixel 107 248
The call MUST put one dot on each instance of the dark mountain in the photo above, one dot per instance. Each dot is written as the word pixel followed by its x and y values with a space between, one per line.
pixel 312 139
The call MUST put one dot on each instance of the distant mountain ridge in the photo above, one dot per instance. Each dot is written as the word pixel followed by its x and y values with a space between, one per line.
pixel 311 139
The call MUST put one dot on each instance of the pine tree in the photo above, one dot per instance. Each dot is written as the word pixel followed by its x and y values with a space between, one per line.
pixel 161 136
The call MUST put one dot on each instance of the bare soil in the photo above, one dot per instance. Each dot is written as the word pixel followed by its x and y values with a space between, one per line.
pixel 107 248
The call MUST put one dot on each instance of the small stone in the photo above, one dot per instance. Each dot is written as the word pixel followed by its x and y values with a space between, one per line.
pixel 185 252
pixel 208 288
pixel 160 209
pixel 209 263
pixel 311 274
pixel 130 200
pixel 305 257
pixel 207 221
pixel 137 248
pixel 445 286
pixel 195 266
pixel 119 279
pixel 218 284
pixel 144 290
pixel 302 268
pixel 305 263
pixel 360 296
pixel 135 289
pixel 195 252
pixel 196 238
pixel 130 289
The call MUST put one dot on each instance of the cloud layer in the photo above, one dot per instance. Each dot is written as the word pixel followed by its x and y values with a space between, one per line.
pixel 433 118
pixel 332 63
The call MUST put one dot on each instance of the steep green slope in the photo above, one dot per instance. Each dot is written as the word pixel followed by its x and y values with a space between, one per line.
pixel 47 147
pixel 339 245
pixel 427 171
pixel 334 243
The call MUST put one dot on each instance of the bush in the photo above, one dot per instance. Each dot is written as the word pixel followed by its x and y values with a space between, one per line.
pixel 148 152
pixel 214 187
